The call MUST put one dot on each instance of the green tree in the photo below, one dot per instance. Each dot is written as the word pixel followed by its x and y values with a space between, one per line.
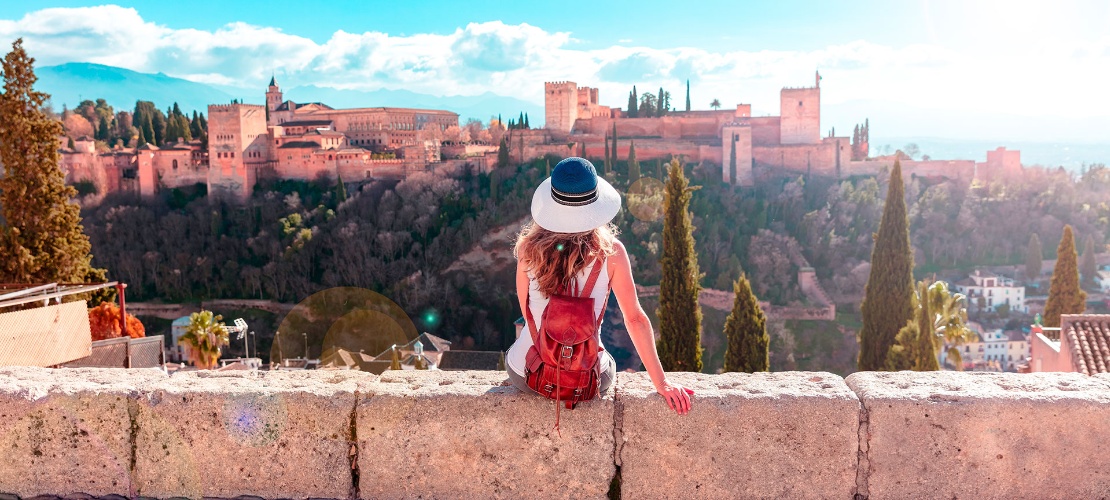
pixel 607 164
pixel 679 312
pixel 1064 294
pixel 633 164
pixel 613 155
pixel 1034 259
pixel 41 238
pixel 1088 266
pixel 103 132
pixel 687 95
pixel 633 103
pixel 746 332
pixel 715 104
pixel 503 154
pixel 888 296
pixel 340 189
pixel 661 108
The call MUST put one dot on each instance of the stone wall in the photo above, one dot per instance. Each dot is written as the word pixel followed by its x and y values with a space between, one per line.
pixel 342 434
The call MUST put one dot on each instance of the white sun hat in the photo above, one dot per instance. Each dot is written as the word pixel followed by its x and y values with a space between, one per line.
pixel 574 199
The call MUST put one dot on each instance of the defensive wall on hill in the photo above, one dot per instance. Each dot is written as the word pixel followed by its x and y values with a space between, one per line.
pixel 432 434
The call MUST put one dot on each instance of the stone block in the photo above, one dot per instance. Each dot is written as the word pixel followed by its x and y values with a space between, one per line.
pixel 762 435
pixel 273 434
pixel 437 434
pixel 67 431
pixel 984 435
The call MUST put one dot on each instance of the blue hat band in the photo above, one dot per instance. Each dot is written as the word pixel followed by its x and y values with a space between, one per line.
pixel 574 200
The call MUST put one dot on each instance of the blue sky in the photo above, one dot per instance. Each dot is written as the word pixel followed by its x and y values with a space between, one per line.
pixel 1017 69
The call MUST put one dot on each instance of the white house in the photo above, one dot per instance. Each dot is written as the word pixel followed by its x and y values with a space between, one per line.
pixel 995 289
pixel 995 350
pixel 1103 280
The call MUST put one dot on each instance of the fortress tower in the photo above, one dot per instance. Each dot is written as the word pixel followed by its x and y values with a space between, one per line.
pixel 800 111
pixel 273 98
pixel 561 106
pixel 238 144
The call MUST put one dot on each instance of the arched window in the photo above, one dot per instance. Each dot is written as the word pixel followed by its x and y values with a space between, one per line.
pixel 175 164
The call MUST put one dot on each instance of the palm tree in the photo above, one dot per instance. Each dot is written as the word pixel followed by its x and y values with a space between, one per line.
pixel 716 104
pixel 949 312
pixel 204 336
pixel 945 324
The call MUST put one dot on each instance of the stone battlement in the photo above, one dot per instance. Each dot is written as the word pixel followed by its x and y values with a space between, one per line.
pixel 433 434
pixel 232 107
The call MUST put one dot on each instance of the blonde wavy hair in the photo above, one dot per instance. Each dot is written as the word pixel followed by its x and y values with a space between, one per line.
pixel 554 259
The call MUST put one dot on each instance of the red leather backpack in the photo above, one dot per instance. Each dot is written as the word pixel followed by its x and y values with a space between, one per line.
pixel 563 362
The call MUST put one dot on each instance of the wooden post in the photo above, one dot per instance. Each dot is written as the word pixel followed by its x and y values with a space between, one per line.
pixel 122 308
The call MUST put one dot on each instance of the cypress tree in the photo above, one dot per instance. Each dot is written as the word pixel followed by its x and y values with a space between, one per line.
pixel 687 95
pixel 679 313
pixel 633 104
pixel 70 144
pixel 661 106
pixel 746 332
pixel 41 238
pixel 608 164
pixel 547 166
pixel 158 123
pixel 1088 267
pixel 633 164
pixel 503 154
pixel 340 189
pixel 888 297
pixel 1064 294
pixel 1034 259
pixel 614 154
pixel 103 133
pixel 526 125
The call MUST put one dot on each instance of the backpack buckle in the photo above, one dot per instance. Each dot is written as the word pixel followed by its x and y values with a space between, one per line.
pixel 548 387
pixel 567 352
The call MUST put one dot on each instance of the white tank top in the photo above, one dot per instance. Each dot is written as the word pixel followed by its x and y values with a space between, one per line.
pixel 537 302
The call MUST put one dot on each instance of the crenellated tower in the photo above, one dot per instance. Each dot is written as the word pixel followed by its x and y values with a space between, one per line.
pixel 238 143
pixel 560 106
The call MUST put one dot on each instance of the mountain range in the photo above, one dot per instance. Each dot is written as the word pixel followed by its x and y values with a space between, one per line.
pixel 70 83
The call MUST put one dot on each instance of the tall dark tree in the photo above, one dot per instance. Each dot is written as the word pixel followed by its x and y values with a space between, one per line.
pixel 687 95
pixel 633 104
pixel 633 164
pixel 503 154
pixel 1088 265
pixel 1064 294
pixel 340 189
pixel 526 124
pixel 888 297
pixel 746 332
pixel 41 238
pixel 679 312
pixel 104 131
pixel 608 163
pixel 614 154
pixel 1034 258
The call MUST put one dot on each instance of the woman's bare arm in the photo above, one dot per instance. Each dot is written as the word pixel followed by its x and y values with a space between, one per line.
pixel 640 330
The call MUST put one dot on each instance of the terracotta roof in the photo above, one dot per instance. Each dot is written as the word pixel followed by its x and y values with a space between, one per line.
pixel 470 360
pixel 1088 339
pixel 430 342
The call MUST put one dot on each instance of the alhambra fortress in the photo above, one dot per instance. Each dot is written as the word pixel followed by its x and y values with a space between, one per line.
pixel 289 140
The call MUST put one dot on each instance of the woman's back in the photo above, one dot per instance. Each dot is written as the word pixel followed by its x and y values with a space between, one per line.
pixel 537 302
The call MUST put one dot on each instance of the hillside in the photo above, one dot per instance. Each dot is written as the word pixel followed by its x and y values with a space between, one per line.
pixel 71 83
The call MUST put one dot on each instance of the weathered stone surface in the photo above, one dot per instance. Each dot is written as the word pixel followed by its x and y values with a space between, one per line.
pixel 985 435
pixel 471 434
pixel 787 435
pixel 67 431
pixel 225 434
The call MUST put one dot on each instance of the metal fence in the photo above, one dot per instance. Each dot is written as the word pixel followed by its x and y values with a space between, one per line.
pixel 45 336
pixel 124 352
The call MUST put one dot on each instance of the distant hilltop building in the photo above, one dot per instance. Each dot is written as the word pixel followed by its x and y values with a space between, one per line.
pixel 791 141
pixel 288 140
pixel 282 139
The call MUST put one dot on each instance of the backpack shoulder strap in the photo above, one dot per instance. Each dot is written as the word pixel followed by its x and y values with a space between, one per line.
pixel 589 288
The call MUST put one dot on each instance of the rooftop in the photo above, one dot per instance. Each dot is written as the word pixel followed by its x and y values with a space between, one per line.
pixel 1089 341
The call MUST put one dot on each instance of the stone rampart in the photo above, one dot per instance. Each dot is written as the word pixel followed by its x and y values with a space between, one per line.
pixel 342 434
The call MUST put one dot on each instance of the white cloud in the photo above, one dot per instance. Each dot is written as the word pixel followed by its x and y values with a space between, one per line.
pixel 1048 78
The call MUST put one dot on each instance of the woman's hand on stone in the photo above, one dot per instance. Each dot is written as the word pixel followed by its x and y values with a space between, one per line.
pixel 676 396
